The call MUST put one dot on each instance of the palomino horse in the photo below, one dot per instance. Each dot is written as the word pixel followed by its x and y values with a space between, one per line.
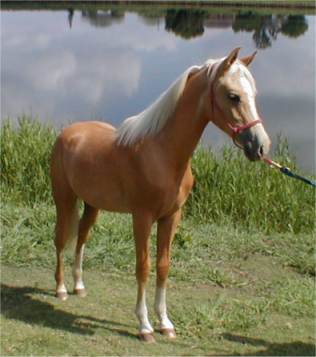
pixel 144 168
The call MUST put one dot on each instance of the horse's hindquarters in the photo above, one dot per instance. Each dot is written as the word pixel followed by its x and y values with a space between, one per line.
pixel 92 165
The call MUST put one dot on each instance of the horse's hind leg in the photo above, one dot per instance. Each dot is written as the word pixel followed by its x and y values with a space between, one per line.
pixel 67 214
pixel 89 217
pixel 66 229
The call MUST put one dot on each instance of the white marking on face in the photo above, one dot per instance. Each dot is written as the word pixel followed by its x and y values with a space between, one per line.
pixel 142 315
pixel 161 309
pixel 250 95
pixel 247 84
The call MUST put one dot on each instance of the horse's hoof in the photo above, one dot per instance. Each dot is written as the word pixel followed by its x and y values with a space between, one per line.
pixel 147 337
pixel 62 295
pixel 80 292
pixel 169 333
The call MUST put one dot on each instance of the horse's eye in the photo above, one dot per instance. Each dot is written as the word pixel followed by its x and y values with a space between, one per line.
pixel 234 98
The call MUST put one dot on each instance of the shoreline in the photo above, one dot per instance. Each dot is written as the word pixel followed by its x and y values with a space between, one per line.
pixel 280 4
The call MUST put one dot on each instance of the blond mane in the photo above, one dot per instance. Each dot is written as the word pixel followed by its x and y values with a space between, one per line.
pixel 152 120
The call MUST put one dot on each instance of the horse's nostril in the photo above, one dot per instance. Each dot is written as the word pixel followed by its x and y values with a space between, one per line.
pixel 261 150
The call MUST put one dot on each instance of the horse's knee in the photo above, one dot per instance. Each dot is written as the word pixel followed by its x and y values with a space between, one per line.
pixel 142 270
pixel 162 271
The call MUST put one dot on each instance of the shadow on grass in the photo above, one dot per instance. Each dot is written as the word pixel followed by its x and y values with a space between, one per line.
pixel 274 349
pixel 19 303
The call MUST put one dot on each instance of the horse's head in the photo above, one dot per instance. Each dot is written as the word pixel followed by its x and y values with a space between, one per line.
pixel 231 104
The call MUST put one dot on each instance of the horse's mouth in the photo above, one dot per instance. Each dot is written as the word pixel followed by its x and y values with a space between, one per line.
pixel 253 153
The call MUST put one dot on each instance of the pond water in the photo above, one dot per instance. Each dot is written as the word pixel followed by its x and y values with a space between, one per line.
pixel 71 65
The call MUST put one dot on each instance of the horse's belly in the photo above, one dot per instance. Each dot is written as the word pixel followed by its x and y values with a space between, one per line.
pixel 101 192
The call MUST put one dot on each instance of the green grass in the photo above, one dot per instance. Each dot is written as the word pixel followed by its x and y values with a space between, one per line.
pixel 236 288
pixel 228 190
pixel 267 317
pixel 27 239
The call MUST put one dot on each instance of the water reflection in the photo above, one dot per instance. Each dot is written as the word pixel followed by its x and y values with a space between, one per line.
pixel 266 29
pixel 187 23
pixel 70 17
pixel 113 64
pixel 103 18
pixel 190 23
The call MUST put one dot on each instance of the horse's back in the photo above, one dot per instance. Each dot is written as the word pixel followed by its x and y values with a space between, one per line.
pixel 84 143
pixel 94 132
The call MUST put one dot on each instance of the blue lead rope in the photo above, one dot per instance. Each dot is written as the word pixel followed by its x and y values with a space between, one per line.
pixel 286 171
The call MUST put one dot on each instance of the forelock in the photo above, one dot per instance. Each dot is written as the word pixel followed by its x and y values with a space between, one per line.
pixel 240 71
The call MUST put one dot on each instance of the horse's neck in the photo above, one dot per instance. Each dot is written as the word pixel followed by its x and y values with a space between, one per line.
pixel 183 130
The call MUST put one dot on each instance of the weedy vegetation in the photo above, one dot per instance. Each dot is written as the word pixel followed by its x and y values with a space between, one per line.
pixel 242 272
pixel 227 188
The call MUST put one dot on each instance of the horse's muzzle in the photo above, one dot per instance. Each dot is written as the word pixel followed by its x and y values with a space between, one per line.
pixel 255 143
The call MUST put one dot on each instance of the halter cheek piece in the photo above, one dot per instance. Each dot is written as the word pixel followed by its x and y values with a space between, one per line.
pixel 235 130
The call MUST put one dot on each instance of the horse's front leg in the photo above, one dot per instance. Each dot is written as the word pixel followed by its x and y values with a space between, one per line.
pixel 165 233
pixel 142 224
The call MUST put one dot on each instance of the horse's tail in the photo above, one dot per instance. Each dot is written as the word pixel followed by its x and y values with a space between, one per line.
pixel 66 201
pixel 73 229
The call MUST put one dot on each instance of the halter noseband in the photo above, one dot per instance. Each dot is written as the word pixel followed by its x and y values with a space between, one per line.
pixel 235 130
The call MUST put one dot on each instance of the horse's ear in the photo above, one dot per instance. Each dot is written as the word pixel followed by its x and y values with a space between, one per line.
pixel 230 59
pixel 247 60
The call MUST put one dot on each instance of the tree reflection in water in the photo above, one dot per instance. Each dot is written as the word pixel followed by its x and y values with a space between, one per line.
pixel 99 18
pixel 191 22
pixel 266 28
pixel 186 23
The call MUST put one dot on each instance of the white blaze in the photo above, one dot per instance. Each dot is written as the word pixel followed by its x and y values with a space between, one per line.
pixel 248 86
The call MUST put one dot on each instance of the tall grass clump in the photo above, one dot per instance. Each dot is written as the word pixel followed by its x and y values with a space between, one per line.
pixel 228 188
pixel 25 161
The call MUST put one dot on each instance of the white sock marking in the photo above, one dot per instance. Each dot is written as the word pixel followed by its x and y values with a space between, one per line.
pixel 61 289
pixel 77 270
pixel 142 315
pixel 161 309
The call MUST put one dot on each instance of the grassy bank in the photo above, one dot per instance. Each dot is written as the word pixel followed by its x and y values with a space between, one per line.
pixel 228 190
pixel 236 285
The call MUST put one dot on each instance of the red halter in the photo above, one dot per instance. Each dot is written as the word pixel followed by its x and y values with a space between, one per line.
pixel 235 130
